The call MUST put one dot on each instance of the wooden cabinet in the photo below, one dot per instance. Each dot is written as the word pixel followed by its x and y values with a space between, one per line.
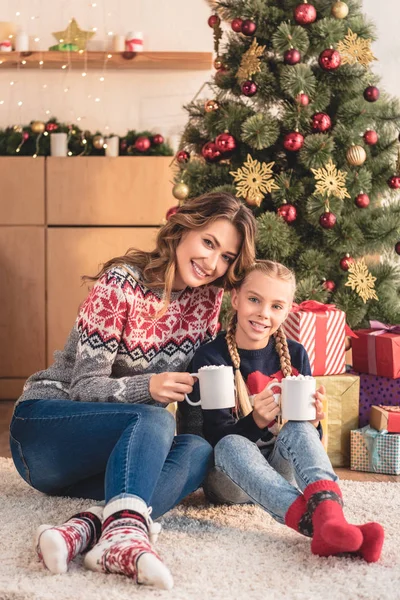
pixel 22 190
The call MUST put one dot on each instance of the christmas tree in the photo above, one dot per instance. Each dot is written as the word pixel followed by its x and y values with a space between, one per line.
pixel 295 124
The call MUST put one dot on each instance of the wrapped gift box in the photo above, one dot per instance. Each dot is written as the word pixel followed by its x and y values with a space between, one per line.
pixel 374 451
pixel 385 418
pixel 377 350
pixel 341 415
pixel 321 328
pixel 376 390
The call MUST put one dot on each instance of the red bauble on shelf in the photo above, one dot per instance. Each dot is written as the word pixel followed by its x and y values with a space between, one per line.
pixel 371 93
pixel 327 220
pixel 288 212
pixel 293 141
pixel 394 182
pixel 248 27
pixel 304 14
pixel 237 25
pixel 329 285
pixel 303 99
pixel 397 247
pixel 142 144
pixel 182 156
pixel 371 137
pixel 51 127
pixel 346 261
pixel 329 60
pixel 225 143
pixel 157 139
pixel 321 122
pixel 214 20
pixel 171 211
pixel 249 88
pixel 362 200
pixel 210 152
pixel 292 57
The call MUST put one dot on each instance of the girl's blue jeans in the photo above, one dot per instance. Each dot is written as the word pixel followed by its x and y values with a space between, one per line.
pixel 273 478
pixel 106 451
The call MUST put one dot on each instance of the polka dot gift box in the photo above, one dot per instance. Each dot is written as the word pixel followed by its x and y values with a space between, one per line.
pixel 376 390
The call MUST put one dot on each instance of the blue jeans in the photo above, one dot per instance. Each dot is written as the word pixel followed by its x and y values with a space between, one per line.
pixel 273 479
pixel 106 451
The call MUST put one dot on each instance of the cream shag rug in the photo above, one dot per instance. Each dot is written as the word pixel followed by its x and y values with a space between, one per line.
pixel 218 553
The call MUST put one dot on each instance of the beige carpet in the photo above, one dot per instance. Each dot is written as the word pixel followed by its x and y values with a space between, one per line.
pixel 214 553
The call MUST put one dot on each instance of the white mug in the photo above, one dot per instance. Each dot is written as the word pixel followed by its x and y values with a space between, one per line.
pixel 58 144
pixel 296 399
pixel 217 389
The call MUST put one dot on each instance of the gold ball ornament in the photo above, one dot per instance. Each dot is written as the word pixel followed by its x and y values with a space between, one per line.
pixel 339 10
pixel 98 142
pixel 180 191
pixel 218 63
pixel 254 199
pixel 356 155
pixel 38 126
pixel 211 105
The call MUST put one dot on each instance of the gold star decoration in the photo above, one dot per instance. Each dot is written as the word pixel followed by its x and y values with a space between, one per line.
pixel 354 49
pixel 361 280
pixel 331 181
pixel 254 179
pixel 250 63
pixel 74 35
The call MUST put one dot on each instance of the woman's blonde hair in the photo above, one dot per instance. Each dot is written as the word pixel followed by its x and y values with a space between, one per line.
pixel 274 270
pixel 158 267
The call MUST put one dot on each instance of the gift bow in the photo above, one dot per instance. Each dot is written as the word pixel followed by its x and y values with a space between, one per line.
pixel 319 307
pixel 370 437
pixel 380 328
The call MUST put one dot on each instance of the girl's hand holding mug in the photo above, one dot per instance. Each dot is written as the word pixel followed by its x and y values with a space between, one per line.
pixel 319 399
pixel 265 408
pixel 170 387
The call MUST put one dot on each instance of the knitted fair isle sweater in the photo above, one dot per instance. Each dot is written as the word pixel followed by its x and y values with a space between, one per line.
pixel 116 344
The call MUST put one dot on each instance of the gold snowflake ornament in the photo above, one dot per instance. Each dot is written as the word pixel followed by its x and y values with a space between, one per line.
pixel 250 62
pixel 331 181
pixel 254 179
pixel 361 281
pixel 354 49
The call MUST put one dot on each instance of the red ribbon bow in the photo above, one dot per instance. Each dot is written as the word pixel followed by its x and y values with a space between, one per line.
pixel 319 307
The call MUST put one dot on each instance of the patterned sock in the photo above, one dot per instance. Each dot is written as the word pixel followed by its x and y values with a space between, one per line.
pixel 332 533
pixel 124 546
pixel 57 546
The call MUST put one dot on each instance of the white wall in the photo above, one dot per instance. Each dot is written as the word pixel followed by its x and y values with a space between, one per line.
pixel 136 99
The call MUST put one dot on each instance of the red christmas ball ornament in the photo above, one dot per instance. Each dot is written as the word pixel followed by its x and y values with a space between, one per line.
pixel 329 60
pixel 142 144
pixel 327 220
pixel 225 143
pixel 219 75
pixel 321 122
pixel 362 200
pixel 123 145
pixel 292 57
pixel 157 139
pixel 397 247
pixel 346 261
pixel 213 20
pixel 370 137
pixel 329 285
pixel 249 88
pixel 302 99
pixel 394 182
pixel 51 127
pixel 288 212
pixel 371 93
pixel 25 136
pixel 210 152
pixel 304 14
pixel 248 27
pixel 171 211
pixel 293 141
pixel 237 25
pixel 182 156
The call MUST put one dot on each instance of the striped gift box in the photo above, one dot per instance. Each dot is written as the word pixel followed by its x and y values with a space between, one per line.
pixel 321 328
pixel 374 451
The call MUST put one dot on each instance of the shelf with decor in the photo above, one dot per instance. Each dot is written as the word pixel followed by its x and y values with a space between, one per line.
pixel 115 60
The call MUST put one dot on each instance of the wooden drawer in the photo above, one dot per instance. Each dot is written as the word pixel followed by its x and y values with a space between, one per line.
pixel 98 190
pixel 22 190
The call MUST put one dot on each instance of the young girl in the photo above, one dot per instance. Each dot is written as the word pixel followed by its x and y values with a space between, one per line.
pixel 91 425
pixel 251 454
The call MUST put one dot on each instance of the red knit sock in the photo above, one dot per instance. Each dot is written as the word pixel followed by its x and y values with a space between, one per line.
pixel 373 536
pixel 332 533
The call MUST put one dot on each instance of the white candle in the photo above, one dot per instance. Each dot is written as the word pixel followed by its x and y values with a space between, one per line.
pixel 134 41
pixel 58 144
pixel 112 146
pixel 22 42
pixel 118 43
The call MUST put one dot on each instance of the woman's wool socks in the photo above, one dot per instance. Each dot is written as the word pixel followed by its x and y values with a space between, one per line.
pixel 124 546
pixel 56 546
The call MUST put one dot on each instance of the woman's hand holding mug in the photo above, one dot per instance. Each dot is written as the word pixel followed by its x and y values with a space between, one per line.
pixel 170 387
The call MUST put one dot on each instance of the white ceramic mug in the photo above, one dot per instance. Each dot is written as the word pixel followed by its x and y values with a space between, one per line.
pixel 217 389
pixel 58 144
pixel 296 399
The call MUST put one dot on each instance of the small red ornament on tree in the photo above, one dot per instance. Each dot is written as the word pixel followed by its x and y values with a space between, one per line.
pixel 371 93
pixel 237 25
pixel 293 141
pixel 50 127
pixel 362 200
pixel 329 60
pixel 157 139
pixel 225 143
pixel 346 261
pixel 394 182
pixel 182 156
pixel 292 57
pixel 397 247
pixel 220 74
pixel 327 220
pixel 288 212
pixel 171 211
pixel 249 88
pixel 213 20
pixel 248 27
pixel 210 152
pixel 370 137
pixel 329 285
pixel 302 99
pixel 142 144
pixel 304 14
pixel 321 122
